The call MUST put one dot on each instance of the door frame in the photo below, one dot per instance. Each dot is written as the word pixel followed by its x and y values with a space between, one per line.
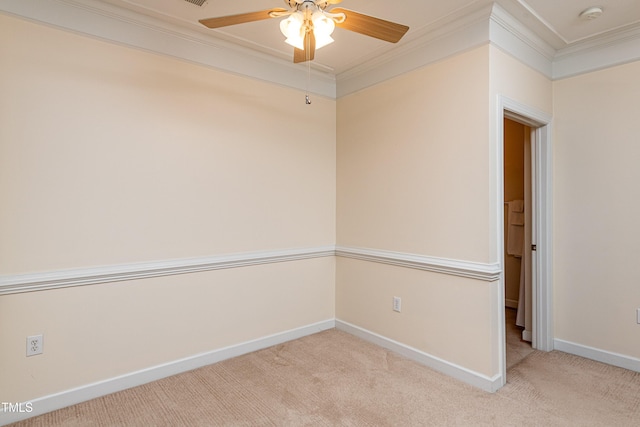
pixel 542 285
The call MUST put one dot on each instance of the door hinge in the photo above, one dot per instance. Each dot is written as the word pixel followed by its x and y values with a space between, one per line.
pixel 534 247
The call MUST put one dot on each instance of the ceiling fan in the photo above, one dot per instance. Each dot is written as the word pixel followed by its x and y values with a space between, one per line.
pixel 309 24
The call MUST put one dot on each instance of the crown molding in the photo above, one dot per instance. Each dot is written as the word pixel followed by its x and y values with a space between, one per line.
pixel 605 51
pixel 515 38
pixel 458 32
pixel 481 23
pixel 491 23
pixel 125 27
pixel 464 30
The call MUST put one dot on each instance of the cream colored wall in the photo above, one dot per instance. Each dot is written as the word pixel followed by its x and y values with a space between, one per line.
pixel 99 332
pixel 512 79
pixel 418 173
pixel 596 207
pixel 412 162
pixel 515 80
pixel 110 156
pixel 413 177
pixel 444 316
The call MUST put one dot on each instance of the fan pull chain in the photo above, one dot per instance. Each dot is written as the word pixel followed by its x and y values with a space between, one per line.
pixel 307 100
pixel 306 97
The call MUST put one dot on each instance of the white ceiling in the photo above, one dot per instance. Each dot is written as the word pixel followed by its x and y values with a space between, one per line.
pixel 555 21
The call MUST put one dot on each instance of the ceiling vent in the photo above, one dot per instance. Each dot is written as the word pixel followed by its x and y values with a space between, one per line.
pixel 197 2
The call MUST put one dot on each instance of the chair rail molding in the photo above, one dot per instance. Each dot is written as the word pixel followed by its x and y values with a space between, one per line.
pixel 488 272
pixel 20 283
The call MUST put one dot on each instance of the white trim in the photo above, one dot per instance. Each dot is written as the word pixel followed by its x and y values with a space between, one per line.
pixel 80 394
pixel 185 41
pixel 451 369
pixel 92 276
pixel 465 29
pixel 544 238
pixel 605 51
pixel 541 123
pixel 20 283
pixel 542 288
pixel 474 270
pixel 513 37
pixel 608 357
pixel 462 31
pixel 522 113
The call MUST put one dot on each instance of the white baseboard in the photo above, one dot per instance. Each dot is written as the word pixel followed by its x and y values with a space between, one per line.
pixel 66 398
pixel 70 397
pixel 610 358
pixel 458 372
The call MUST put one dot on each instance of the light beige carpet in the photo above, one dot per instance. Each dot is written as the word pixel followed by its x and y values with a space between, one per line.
pixel 335 379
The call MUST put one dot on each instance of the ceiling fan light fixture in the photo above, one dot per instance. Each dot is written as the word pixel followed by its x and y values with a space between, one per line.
pixel 297 42
pixel 322 41
pixel 292 28
pixel 308 26
pixel 323 27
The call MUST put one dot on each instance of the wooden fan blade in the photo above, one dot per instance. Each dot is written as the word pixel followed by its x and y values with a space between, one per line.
pixel 334 1
pixel 370 26
pixel 309 51
pixel 241 18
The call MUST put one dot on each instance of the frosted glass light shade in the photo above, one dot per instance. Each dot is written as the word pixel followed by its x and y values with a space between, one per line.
pixel 293 30
pixel 323 27
pixel 297 42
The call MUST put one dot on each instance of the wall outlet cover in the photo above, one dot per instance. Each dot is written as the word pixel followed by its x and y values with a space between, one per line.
pixel 34 345
pixel 397 304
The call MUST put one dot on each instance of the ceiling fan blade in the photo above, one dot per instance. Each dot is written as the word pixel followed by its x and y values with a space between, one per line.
pixel 334 1
pixel 309 52
pixel 241 18
pixel 370 26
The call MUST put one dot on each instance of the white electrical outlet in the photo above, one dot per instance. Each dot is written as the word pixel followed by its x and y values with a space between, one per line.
pixel 397 304
pixel 34 345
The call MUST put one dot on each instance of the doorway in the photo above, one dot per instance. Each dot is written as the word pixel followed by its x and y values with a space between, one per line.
pixel 517 194
pixel 541 222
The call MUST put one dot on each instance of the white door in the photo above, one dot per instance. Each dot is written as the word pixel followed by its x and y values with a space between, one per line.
pixel 527 304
